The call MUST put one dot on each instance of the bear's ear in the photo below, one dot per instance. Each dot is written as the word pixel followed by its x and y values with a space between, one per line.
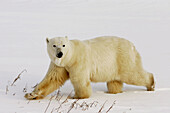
pixel 47 40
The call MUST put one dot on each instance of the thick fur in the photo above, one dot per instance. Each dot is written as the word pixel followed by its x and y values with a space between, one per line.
pixel 55 77
pixel 104 59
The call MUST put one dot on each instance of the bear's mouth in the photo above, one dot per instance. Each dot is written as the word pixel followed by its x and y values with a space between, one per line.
pixel 59 55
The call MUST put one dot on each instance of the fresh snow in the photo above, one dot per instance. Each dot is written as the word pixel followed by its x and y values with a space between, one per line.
pixel 25 24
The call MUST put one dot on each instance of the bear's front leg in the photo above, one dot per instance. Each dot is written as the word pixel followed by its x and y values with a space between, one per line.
pixel 82 86
pixel 55 77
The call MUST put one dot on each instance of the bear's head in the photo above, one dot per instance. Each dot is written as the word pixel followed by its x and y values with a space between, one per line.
pixel 57 49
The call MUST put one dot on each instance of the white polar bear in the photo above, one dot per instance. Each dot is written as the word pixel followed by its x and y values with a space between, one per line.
pixel 104 59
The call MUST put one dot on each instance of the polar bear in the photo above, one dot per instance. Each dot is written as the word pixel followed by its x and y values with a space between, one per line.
pixel 103 59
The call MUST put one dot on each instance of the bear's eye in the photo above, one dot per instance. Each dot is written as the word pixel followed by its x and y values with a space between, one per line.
pixel 63 45
pixel 54 45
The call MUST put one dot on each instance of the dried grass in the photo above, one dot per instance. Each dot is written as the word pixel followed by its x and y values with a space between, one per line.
pixel 102 107
pixel 49 104
pixel 7 89
pixel 18 77
pixel 111 106
pixel 25 88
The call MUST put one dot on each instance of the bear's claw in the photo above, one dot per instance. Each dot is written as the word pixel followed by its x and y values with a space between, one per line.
pixel 32 96
pixel 152 86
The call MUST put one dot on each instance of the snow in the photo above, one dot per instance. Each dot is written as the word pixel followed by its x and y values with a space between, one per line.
pixel 25 24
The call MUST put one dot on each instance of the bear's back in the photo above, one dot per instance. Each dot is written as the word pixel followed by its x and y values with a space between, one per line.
pixel 104 43
pixel 102 40
pixel 102 55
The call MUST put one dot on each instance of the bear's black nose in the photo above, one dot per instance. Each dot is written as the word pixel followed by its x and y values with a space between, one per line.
pixel 60 54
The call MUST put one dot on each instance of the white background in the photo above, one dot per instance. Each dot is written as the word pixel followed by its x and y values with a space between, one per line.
pixel 25 24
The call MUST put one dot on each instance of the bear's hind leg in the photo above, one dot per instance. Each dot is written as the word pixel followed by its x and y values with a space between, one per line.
pixel 114 87
pixel 140 79
pixel 151 86
pixel 134 74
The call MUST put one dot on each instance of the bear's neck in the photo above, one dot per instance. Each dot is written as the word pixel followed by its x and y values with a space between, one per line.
pixel 70 57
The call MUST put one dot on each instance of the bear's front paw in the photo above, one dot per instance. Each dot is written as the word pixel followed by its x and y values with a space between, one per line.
pixel 33 96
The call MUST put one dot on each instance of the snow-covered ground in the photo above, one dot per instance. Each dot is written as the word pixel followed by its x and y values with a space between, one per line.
pixel 24 25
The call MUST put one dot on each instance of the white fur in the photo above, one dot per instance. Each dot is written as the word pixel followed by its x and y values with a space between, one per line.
pixel 103 59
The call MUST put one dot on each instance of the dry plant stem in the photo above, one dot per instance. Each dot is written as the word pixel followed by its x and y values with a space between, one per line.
pixel 84 106
pixel 18 77
pixel 52 110
pixel 60 98
pixel 72 105
pixel 94 104
pixel 35 85
pixel 57 109
pixel 102 107
pixel 48 104
pixel 28 101
pixel 25 88
pixel 66 100
pixel 58 93
pixel 7 89
pixel 111 106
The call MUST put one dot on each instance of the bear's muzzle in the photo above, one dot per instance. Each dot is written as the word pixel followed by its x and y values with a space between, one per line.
pixel 59 55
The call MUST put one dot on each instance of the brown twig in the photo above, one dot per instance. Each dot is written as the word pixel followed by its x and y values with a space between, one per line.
pixel 84 106
pixel 66 100
pixel 7 89
pixel 93 103
pixel 28 101
pixel 60 98
pixel 35 85
pixel 52 110
pixel 111 106
pixel 48 104
pixel 25 88
pixel 18 77
pixel 102 107
pixel 57 109
pixel 58 94
pixel 72 105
